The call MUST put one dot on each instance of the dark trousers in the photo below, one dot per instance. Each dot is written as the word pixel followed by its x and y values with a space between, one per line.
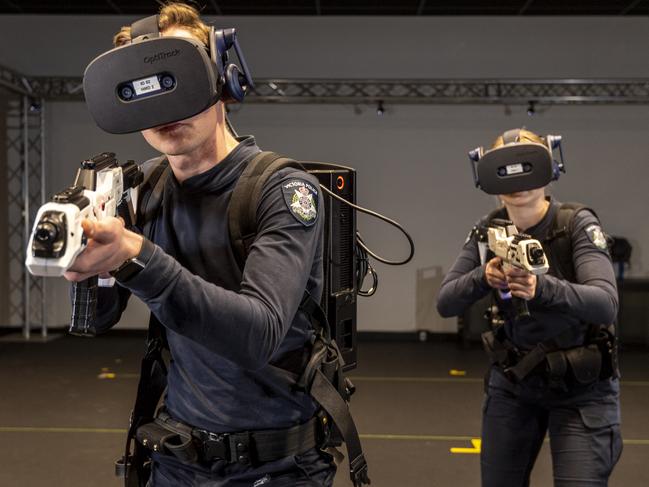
pixel 583 425
pixel 310 469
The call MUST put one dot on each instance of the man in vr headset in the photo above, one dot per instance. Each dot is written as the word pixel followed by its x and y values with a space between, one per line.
pixel 555 370
pixel 238 335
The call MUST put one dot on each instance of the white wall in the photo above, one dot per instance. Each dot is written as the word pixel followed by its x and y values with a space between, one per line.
pixel 411 162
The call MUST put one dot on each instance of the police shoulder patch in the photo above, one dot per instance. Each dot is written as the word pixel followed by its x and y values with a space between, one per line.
pixel 597 237
pixel 301 197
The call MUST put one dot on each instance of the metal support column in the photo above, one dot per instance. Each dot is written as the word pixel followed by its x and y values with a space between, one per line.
pixel 43 281
pixel 25 187
pixel 26 219
pixel 15 212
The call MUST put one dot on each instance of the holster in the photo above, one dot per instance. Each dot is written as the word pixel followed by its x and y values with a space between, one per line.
pixel 585 362
pixel 605 338
pixel 167 436
pixel 135 465
pixel 494 348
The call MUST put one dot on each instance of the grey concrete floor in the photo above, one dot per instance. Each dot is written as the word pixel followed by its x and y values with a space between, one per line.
pixel 62 425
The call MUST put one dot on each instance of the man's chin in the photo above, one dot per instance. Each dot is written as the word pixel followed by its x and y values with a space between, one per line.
pixel 169 146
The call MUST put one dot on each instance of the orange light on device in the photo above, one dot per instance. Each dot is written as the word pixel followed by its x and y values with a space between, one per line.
pixel 340 183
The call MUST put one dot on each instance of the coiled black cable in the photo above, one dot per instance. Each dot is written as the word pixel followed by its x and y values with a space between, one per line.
pixel 362 251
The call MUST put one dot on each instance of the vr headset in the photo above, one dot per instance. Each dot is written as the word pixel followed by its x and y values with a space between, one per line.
pixel 158 80
pixel 516 166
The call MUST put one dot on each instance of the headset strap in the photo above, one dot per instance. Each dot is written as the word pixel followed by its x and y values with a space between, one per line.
pixel 146 26
pixel 511 136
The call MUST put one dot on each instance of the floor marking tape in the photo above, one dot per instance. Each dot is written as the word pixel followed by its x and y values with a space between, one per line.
pixel 366 436
pixel 476 442
pixel 464 380
pixel 366 378
pixel 36 429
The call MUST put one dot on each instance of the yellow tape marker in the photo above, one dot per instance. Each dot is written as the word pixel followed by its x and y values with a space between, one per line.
pixel 106 375
pixel 476 442
pixel 457 373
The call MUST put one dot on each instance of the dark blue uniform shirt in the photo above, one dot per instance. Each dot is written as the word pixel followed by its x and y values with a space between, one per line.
pixel 225 327
pixel 558 305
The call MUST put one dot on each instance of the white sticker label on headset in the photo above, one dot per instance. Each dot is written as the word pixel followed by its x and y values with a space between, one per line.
pixel 146 85
pixel 514 169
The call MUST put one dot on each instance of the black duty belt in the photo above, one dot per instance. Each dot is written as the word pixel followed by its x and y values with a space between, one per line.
pixel 596 359
pixel 169 436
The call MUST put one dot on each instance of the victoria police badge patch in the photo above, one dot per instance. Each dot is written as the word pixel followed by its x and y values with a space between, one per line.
pixel 301 197
pixel 596 235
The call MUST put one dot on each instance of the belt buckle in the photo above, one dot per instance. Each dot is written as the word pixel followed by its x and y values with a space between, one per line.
pixel 214 446
pixel 240 448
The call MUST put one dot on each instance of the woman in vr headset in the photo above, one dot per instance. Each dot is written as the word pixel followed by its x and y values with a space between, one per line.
pixel 554 367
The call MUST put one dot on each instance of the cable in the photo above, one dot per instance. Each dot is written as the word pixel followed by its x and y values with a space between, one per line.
pixel 380 217
pixel 363 268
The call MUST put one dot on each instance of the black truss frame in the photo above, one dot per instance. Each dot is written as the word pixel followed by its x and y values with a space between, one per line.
pixel 413 91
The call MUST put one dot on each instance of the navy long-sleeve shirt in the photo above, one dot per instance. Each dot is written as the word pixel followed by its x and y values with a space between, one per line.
pixel 558 305
pixel 225 327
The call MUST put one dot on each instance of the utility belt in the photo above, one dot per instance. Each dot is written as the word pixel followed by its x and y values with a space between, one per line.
pixel 595 360
pixel 322 378
pixel 168 436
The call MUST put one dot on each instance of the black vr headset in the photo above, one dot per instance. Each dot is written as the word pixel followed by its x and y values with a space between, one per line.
pixel 158 80
pixel 516 166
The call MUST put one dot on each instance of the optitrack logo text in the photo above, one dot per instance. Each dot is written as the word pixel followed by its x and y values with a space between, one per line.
pixel 160 56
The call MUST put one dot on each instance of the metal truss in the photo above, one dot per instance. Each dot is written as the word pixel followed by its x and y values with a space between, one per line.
pixel 49 87
pixel 63 88
pixel 452 91
pixel 25 194
pixel 416 91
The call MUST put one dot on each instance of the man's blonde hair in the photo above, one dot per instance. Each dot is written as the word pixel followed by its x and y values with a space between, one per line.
pixel 523 136
pixel 172 14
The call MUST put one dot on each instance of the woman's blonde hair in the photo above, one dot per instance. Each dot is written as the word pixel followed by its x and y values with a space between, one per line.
pixel 523 136
pixel 172 14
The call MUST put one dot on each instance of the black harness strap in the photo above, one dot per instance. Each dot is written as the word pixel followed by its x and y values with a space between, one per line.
pixel 557 369
pixel 150 194
pixel 151 386
pixel 336 407
pixel 559 241
pixel 537 355
pixel 242 210
pixel 153 371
